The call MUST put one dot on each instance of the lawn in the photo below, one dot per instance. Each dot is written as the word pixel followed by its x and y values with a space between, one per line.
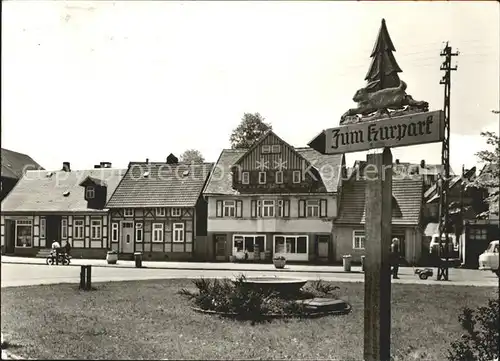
pixel 149 320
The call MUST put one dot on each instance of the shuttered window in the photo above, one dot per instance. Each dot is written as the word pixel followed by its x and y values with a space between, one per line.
pixel 219 208
pixel 239 209
pixel 302 208
pixel 323 209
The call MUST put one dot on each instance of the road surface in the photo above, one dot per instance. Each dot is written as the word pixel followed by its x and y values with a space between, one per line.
pixel 24 275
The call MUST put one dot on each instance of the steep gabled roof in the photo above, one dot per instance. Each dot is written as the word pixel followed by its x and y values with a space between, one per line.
pixel 160 185
pixel 57 191
pixel 14 164
pixel 407 201
pixel 220 181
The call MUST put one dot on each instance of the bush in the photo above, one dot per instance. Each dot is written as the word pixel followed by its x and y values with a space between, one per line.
pixel 480 342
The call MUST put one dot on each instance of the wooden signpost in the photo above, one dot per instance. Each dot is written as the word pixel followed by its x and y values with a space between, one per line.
pixel 385 117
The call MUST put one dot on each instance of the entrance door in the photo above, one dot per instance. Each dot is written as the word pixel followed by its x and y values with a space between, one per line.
pixel 323 242
pixel 220 247
pixel 52 230
pixel 127 242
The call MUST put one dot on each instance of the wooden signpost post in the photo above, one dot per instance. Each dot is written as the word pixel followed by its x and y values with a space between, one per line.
pixel 374 124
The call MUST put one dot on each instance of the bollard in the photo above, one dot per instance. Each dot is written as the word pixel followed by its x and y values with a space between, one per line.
pixel 138 259
pixel 362 263
pixel 86 278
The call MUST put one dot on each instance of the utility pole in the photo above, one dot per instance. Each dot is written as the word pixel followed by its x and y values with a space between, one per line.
pixel 442 273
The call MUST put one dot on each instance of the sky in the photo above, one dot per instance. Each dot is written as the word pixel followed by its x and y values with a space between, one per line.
pixel 87 82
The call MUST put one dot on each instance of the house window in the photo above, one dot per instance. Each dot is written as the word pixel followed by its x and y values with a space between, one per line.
pixel 24 233
pixel 95 229
pixel 178 232
pixel 284 244
pixel 266 149
pixel 157 232
pixel 78 227
pixel 90 193
pixel 296 176
pixel 275 148
pixel 160 212
pixel 279 177
pixel 247 243
pixel 358 239
pixel 176 212
pixel 138 232
pixel 43 226
pixel 262 177
pixel 312 208
pixel 114 232
pixel 229 208
pixel 245 178
pixel 128 212
pixel 64 228
pixel 283 208
pixel 478 234
pixel 268 208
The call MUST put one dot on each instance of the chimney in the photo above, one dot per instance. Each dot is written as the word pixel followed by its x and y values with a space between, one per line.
pixel 172 159
pixel 147 160
pixel 422 163
pixel 66 167
pixel 97 166
pixel 397 161
pixel 105 164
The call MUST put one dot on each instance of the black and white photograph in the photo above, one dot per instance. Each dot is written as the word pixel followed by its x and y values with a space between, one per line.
pixel 250 180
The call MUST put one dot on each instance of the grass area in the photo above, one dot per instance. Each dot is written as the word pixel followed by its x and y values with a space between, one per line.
pixel 149 320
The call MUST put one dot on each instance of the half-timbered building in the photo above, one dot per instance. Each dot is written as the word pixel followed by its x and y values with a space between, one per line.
pixel 273 199
pixel 158 210
pixel 64 206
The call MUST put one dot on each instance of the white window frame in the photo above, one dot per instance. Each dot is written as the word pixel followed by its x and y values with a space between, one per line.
pixel 262 178
pixel 114 227
pixel 24 223
pixel 279 180
pixel 157 229
pixel 358 239
pixel 296 176
pixel 160 212
pixel 43 227
pixel 283 205
pixel 250 254
pixel 312 207
pixel 90 192
pixel 64 228
pixel 128 212
pixel 268 205
pixel 176 212
pixel 139 232
pixel 229 208
pixel 178 232
pixel 245 178
pixel 295 238
pixel 266 149
pixel 275 148
pixel 78 224
pixel 96 229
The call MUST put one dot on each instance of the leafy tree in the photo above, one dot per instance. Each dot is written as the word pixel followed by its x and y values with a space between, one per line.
pixel 384 68
pixel 489 178
pixel 192 156
pixel 252 126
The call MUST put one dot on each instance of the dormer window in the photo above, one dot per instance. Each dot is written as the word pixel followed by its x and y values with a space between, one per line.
pixel 266 149
pixel 245 178
pixel 262 177
pixel 90 192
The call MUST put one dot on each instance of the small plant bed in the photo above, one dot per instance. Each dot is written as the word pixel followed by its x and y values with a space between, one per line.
pixel 243 300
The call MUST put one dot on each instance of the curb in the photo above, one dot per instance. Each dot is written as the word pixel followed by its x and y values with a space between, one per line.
pixel 198 269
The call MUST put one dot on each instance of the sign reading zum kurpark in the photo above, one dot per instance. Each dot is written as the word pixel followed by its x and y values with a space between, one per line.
pixel 417 128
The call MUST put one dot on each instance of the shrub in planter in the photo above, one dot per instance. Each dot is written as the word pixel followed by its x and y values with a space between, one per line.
pixel 279 262
pixel 112 257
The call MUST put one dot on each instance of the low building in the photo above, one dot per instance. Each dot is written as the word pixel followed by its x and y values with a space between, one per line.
pixel 349 227
pixel 14 165
pixel 66 206
pixel 158 210
pixel 273 200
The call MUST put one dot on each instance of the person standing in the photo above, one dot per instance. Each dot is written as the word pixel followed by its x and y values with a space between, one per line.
pixel 57 247
pixel 395 258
